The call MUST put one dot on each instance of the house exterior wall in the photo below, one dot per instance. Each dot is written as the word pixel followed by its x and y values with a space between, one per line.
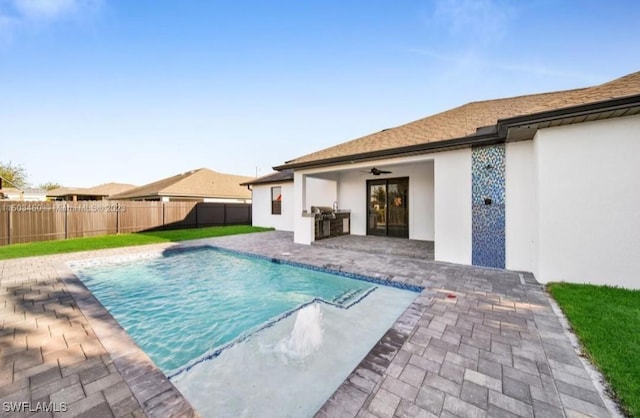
pixel 521 224
pixel 303 226
pixel 589 202
pixel 261 207
pixel 452 197
pixel 353 195
pixel 321 192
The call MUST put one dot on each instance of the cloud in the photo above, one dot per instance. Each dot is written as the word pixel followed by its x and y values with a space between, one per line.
pixel 481 21
pixel 18 14
pixel 47 9
pixel 478 62
pixel 468 40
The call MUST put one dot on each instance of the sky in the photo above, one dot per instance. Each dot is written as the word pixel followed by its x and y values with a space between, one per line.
pixel 97 91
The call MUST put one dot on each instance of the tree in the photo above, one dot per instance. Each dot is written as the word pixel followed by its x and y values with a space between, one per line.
pixel 13 174
pixel 50 185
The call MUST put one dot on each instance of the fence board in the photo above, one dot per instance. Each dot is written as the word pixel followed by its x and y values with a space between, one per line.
pixel 211 214
pixel 4 226
pixel 42 221
pixel 237 214
pixel 91 218
pixel 140 216
pixel 180 215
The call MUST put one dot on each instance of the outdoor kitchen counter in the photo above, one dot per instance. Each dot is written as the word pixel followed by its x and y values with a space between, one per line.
pixel 333 225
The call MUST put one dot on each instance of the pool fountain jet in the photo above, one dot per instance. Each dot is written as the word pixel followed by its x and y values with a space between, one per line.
pixel 306 336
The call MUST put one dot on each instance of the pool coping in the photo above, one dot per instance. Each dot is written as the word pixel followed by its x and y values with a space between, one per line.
pixel 159 397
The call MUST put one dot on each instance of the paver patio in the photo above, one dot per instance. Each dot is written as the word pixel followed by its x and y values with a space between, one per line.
pixel 476 342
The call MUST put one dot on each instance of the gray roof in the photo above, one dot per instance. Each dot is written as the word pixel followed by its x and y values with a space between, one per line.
pixel 277 177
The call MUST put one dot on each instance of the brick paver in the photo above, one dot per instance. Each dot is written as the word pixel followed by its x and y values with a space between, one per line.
pixel 477 342
pixel 50 354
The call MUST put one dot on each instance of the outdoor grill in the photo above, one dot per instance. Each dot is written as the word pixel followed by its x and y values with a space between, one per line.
pixel 323 212
pixel 323 216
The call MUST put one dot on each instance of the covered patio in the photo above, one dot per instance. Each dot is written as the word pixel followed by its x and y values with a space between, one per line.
pixel 410 248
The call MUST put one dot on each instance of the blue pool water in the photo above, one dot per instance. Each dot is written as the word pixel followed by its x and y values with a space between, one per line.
pixel 225 326
pixel 184 304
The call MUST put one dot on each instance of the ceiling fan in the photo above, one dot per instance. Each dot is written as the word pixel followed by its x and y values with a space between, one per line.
pixel 377 172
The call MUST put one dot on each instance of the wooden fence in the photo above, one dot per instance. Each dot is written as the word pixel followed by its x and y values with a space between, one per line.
pixel 43 221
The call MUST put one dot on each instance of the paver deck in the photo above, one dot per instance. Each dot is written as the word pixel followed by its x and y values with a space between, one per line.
pixel 476 342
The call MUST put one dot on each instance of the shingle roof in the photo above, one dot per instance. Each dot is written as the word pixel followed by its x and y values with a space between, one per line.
pixel 65 191
pixel 465 120
pixel 277 177
pixel 106 189
pixel 199 183
pixel 109 189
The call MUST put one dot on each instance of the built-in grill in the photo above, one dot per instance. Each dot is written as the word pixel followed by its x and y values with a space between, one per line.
pixel 329 222
pixel 323 216
pixel 324 212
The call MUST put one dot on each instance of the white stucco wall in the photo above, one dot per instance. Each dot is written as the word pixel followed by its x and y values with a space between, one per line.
pixel 452 173
pixel 303 226
pixel 589 202
pixel 352 194
pixel 321 192
pixel 521 207
pixel 261 208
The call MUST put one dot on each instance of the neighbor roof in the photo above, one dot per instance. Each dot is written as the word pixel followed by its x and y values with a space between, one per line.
pixel 199 183
pixel 109 189
pixel 277 177
pixel 106 189
pixel 65 191
pixel 465 120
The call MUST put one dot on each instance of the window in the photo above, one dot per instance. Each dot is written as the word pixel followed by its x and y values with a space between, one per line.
pixel 276 200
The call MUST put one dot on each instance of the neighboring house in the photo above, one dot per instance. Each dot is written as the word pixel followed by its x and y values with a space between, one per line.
pixel 201 185
pixel 23 195
pixel 10 193
pixel 100 192
pixel 547 183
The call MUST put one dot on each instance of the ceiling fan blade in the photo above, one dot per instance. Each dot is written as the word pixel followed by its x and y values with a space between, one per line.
pixel 377 172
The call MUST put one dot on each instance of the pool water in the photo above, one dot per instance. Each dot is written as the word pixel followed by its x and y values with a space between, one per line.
pixel 196 311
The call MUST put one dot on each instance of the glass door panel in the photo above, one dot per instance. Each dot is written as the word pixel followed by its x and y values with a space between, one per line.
pixel 398 209
pixel 377 208
pixel 388 209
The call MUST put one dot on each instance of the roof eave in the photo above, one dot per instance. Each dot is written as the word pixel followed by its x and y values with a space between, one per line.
pixel 479 139
pixel 610 108
pixel 485 135
pixel 257 183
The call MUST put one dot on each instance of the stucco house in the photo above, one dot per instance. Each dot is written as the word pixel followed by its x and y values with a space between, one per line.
pixel 202 185
pixel 28 194
pixel 546 183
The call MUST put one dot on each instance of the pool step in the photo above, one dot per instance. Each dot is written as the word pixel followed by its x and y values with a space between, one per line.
pixel 348 296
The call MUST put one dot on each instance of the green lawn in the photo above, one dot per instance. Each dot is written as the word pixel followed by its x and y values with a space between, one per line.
pixel 607 322
pixel 124 240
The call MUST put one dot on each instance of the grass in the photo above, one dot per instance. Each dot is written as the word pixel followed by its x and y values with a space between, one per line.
pixel 123 240
pixel 607 322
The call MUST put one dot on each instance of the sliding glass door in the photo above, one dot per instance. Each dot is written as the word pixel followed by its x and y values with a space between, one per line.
pixel 388 208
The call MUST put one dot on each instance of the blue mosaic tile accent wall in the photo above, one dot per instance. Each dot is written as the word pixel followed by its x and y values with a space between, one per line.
pixel 488 212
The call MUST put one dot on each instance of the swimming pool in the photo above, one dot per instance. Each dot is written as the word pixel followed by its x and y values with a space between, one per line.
pixel 195 312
